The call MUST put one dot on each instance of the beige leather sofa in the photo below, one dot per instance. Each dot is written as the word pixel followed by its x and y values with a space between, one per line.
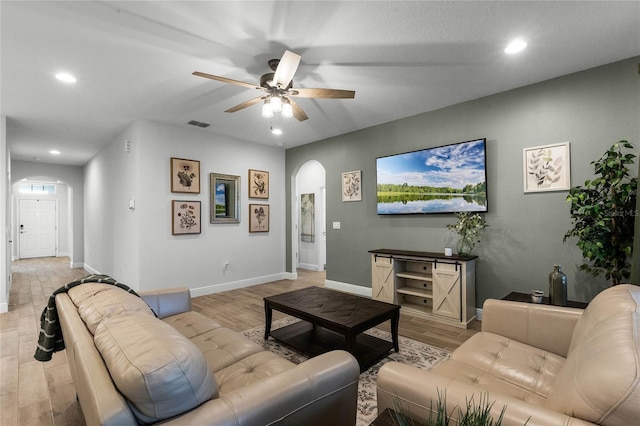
pixel 551 365
pixel 183 368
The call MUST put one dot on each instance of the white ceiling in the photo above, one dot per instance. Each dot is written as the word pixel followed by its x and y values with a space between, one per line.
pixel 134 60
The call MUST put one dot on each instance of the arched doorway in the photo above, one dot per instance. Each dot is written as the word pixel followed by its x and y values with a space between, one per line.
pixel 309 248
pixel 42 218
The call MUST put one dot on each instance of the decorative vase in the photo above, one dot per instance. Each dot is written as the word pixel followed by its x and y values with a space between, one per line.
pixel 557 287
pixel 464 245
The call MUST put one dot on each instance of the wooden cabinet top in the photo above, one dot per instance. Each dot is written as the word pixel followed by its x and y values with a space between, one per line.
pixel 410 253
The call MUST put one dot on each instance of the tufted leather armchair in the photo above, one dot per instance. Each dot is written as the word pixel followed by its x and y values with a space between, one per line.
pixel 547 365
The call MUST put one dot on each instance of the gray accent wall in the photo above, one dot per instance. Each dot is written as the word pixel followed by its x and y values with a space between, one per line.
pixel 591 109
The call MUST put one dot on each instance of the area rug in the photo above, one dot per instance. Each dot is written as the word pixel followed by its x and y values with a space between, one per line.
pixel 411 352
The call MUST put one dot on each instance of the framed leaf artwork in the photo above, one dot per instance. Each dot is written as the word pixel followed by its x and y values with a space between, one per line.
pixel 547 168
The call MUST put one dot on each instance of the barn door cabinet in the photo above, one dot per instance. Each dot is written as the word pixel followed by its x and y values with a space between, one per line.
pixel 428 285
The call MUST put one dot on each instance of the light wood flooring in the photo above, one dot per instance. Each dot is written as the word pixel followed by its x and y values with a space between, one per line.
pixel 36 393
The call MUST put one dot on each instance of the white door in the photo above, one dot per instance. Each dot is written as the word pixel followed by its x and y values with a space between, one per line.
pixel 37 228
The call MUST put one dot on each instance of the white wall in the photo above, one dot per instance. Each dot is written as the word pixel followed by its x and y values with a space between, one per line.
pixel 310 180
pixel 5 225
pixel 112 230
pixel 137 247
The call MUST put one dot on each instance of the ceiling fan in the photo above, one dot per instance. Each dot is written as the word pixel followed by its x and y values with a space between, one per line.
pixel 278 89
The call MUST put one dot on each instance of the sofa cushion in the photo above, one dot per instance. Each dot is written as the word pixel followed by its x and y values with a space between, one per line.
pixel 250 370
pixel 600 382
pixel 97 301
pixel 222 347
pixel 498 363
pixel 191 323
pixel 158 370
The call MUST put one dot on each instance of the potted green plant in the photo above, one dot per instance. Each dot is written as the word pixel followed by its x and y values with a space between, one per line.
pixel 468 228
pixel 603 213
pixel 474 414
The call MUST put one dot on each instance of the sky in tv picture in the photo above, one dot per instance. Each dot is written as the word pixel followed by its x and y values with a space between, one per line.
pixel 453 166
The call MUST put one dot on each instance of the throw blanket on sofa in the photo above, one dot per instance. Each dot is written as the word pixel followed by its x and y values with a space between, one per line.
pixel 50 338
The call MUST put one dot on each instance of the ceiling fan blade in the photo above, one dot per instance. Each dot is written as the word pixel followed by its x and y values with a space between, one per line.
pixel 245 104
pixel 227 80
pixel 322 93
pixel 286 69
pixel 298 112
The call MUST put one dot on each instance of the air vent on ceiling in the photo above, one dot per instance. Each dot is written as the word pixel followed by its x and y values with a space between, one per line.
pixel 199 123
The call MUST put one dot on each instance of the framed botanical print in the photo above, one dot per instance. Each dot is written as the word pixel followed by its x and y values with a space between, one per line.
pixel 185 217
pixel 185 175
pixel 547 168
pixel 352 186
pixel 258 184
pixel 258 218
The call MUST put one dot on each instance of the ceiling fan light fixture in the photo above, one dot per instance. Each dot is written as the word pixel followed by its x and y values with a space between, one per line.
pixel 287 109
pixel 276 104
pixel 267 110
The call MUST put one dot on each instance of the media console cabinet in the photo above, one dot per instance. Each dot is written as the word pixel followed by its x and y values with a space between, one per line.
pixel 428 285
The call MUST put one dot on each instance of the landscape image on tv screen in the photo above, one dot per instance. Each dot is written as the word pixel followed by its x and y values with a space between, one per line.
pixel 445 179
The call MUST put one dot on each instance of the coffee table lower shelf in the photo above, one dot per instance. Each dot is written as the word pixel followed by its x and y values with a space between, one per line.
pixel 316 340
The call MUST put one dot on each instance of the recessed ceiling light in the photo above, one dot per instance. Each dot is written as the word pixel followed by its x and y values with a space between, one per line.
pixel 67 78
pixel 515 46
pixel 54 152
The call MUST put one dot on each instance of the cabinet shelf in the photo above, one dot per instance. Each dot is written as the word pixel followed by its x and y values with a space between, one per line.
pixel 415 276
pixel 411 291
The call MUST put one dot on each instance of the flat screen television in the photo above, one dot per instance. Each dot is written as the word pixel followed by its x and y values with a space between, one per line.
pixel 444 179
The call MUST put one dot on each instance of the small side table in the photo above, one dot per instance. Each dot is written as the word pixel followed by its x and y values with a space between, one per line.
pixel 526 297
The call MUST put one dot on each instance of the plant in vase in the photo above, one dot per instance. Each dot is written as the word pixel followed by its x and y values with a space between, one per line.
pixel 468 228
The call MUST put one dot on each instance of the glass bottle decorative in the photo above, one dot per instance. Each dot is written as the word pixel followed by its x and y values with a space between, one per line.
pixel 464 245
pixel 557 287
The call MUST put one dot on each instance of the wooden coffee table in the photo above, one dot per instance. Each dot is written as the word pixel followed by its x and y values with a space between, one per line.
pixel 333 320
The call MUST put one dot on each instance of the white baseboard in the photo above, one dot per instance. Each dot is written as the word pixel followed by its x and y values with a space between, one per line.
pixel 349 288
pixel 4 307
pixel 310 267
pixel 217 288
pixel 89 269
pixel 479 314
pixel 63 254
